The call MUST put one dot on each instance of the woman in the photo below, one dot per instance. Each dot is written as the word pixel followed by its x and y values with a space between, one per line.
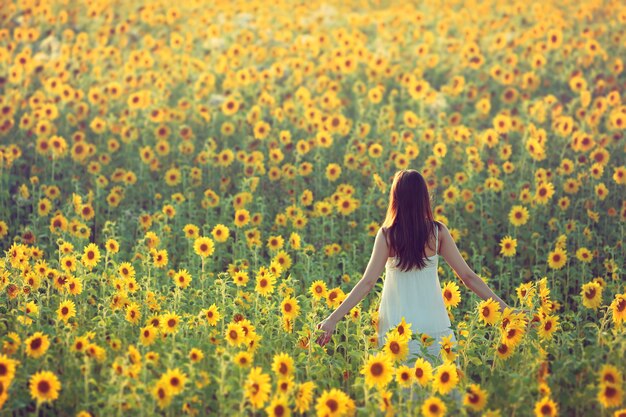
pixel 408 246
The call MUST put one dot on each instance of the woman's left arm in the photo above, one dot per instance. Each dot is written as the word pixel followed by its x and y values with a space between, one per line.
pixel 375 267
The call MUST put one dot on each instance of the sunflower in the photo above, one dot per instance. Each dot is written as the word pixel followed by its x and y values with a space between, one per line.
pixel 422 371
pixel 489 311
pixel 610 395
pixel 475 398
pixel 318 289
pixel 148 335
pixel 242 217
pixel 191 231
pixel 133 313
pixel 126 270
pixel 584 255
pixel 445 377
pixel 44 386
pixel 451 294
pixel 160 258
pixel 378 370
pixel 234 334
pixel 548 325
pixel 591 295
pixel 243 359
pixel 618 308
pixel 182 278
pixel 112 246
pixel 290 308
pixel 212 315
pixel 162 393
pixel 169 324
pixel 7 368
pixel 404 329
pixel 175 380
pixel 220 233
pixel 265 284
pixel 433 407
pixel 396 346
pixel 404 376
pixel 203 246
pixel 278 407
pixel 544 192
pixel 557 258
pixel 332 403
pixel 508 246
pixel 257 387
pixel 513 333
pixel 518 216
pixel 282 365
pixel 66 310
pixel 446 347
pixel 608 374
pixel 545 407
pixel 37 344
pixel 304 396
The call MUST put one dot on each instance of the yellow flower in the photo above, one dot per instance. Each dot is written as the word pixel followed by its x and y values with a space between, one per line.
pixel 332 403
pixel 545 407
pixel 212 315
pixel 318 289
pixel 404 376
pixel 204 246
pixel 162 393
pixel 422 371
pixel 445 377
pixel 475 398
pixel 609 374
pixel 278 407
pixel 489 311
pixel 220 233
pixel 451 294
pixel 282 365
pixel 396 346
pixel 548 325
pixel 175 379
pixel 557 258
pixel 257 387
pixel 518 216
pixel 243 359
pixel 182 278
pixel 265 284
pixel 234 334
pixel 37 344
pixel 66 310
pixel 591 295
pixel 333 171
pixel 44 386
pixel 242 217
pixel 584 255
pixel 610 395
pixel 7 369
pixel 290 308
pixel 378 370
pixel 433 407
pixel 508 246
pixel 304 396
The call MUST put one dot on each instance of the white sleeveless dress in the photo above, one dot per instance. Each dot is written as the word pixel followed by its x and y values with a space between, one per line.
pixel 416 295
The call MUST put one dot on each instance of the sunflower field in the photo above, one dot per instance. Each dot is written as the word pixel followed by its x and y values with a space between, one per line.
pixel 187 188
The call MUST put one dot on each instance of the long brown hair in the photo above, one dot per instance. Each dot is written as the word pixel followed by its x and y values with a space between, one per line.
pixel 409 221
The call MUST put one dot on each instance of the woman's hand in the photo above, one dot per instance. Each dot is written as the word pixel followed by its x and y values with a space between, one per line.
pixel 328 326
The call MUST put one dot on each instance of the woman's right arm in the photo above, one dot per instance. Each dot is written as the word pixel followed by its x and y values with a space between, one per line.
pixel 450 252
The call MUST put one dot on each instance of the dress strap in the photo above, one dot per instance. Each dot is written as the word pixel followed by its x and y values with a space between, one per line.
pixel 436 239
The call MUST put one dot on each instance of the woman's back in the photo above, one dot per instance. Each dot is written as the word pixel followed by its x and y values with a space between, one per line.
pixel 416 296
